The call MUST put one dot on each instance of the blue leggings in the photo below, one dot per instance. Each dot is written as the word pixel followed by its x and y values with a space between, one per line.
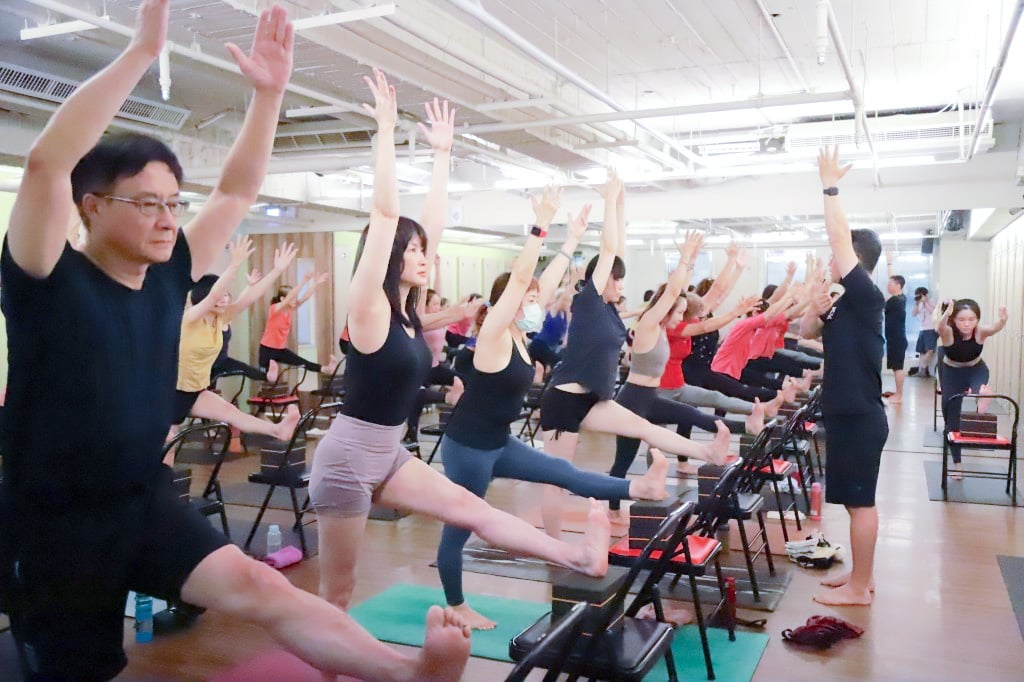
pixel 474 469
pixel 956 380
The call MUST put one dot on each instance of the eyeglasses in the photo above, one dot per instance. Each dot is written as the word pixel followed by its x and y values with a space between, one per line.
pixel 152 207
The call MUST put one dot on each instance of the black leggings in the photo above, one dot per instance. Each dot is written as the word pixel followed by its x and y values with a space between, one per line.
pixel 956 380
pixel 723 383
pixel 645 402
pixel 754 377
pixel 440 375
pixel 285 357
pixel 781 364
pixel 231 365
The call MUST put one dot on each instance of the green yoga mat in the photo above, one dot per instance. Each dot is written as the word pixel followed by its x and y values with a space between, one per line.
pixel 397 615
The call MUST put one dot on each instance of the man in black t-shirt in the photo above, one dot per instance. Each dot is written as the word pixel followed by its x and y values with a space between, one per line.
pixel 895 330
pixel 87 510
pixel 849 320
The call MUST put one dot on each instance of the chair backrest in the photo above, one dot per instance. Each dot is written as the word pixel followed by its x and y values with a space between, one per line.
pixel 297 440
pixel 554 646
pixel 757 456
pixel 334 383
pixel 717 509
pixel 668 534
pixel 216 436
pixel 996 397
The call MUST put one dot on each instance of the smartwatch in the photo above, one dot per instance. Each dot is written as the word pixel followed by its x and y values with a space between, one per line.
pixel 831 191
pixel 538 232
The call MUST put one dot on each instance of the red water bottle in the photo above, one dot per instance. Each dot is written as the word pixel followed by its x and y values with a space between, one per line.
pixel 815 510
pixel 730 606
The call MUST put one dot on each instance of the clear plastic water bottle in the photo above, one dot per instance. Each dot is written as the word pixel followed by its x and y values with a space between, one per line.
pixel 143 618
pixel 273 538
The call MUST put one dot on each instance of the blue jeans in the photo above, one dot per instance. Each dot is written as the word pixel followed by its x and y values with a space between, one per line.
pixel 474 469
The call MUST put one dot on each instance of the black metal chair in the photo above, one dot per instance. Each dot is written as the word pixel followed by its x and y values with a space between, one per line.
pixel 614 646
pixel 213 439
pixel 553 647
pixel 996 443
pixel 285 466
pixel 228 374
pixel 444 413
pixel 276 396
pixel 332 386
pixel 531 410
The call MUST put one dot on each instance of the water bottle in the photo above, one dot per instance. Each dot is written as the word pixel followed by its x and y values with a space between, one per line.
pixel 143 618
pixel 273 538
pixel 815 510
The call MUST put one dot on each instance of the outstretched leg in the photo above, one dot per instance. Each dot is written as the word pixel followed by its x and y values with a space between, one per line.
pixel 209 405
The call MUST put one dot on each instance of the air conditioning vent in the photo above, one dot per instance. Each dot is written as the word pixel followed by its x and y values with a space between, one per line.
pixel 947 130
pixel 45 86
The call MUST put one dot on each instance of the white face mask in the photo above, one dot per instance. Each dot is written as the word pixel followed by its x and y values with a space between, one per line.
pixel 533 318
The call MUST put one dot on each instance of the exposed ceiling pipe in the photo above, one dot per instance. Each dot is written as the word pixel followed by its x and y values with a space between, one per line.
pixel 993 78
pixel 860 120
pixel 189 53
pixel 474 9
pixel 629 115
pixel 769 20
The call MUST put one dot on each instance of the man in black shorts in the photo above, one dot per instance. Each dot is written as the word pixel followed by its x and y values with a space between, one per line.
pixel 895 330
pixel 86 507
pixel 855 424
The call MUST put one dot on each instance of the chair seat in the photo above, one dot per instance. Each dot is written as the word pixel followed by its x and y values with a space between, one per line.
pixel 960 439
pixel 779 468
pixel 205 506
pixel 293 479
pixel 432 431
pixel 810 427
pixel 635 646
pixel 702 550
pixel 280 400
pixel 747 504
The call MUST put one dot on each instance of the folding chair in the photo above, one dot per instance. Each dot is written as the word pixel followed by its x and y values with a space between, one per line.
pixel 332 386
pixel 286 467
pixel 531 410
pixel 610 646
pixel 215 438
pixel 278 395
pixel 553 646
pixel 231 373
pixel 968 441
pixel 444 414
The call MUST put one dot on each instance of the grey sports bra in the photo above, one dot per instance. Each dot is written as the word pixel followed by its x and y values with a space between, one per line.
pixel 652 363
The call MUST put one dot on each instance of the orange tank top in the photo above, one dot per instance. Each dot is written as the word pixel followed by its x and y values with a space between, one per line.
pixel 279 323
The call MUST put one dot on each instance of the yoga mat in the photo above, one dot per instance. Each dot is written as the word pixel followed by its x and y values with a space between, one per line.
pixel 1013 575
pixel 733 661
pixel 398 615
pixel 479 558
pixel 973 490
pixel 933 439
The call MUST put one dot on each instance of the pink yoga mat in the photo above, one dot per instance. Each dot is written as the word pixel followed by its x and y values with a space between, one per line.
pixel 275 665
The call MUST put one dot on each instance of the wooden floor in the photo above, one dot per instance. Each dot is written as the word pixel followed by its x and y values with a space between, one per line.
pixel 941 610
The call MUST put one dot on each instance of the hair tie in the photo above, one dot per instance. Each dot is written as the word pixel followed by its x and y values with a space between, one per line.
pixel 487 304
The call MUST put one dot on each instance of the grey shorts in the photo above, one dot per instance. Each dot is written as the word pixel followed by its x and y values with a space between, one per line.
pixel 352 463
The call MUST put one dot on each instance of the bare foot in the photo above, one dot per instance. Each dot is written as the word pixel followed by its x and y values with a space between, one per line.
pixel 676 616
pixel 619 517
pixel 273 371
pixel 844 596
pixel 328 367
pixel 592 556
pixel 652 485
pixel 803 384
pixel 718 451
pixel 842 579
pixel 473 619
pixel 983 403
pixel 687 468
pixel 445 647
pixel 284 429
pixel 771 408
pixel 789 389
pixel 895 399
pixel 755 421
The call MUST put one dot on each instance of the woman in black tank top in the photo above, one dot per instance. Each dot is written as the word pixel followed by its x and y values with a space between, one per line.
pixel 962 370
pixel 478 445
pixel 360 460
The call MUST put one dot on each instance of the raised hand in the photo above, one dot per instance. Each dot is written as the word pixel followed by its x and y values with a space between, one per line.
pixel 545 208
pixel 284 255
pixel 471 308
pixel 441 132
pixel 150 28
pixel 829 169
pixel 790 269
pixel 691 246
pixel 746 304
pixel 733 250
pixel 240 249
pixel 322 278
pixel 308 277
pixel 268 65
pixel 741 258
pixel 1003 315
pixel 613 187
pixel 385 107
pixel 577 225
pixel 253 278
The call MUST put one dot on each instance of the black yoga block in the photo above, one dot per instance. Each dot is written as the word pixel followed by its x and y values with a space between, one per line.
pixel 271 455
pixel 596 592
pixel 707 478
pixel 978 425
pixel 645 516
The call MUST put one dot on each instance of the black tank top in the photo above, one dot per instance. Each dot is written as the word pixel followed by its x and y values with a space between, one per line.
pixel 223 354
pixel 491 402
pixel 381 387
pixel 964 350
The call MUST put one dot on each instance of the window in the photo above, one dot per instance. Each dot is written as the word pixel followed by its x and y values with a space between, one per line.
pixel 776 260
pixel 701 269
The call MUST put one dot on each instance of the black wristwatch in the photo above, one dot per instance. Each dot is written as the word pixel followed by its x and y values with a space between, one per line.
pixel 538 232
pixel 831 191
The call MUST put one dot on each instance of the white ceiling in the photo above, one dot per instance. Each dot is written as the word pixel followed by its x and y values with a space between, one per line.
pixel 907 56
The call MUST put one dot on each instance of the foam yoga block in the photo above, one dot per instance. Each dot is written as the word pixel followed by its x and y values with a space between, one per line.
pixel 596 592
pixel 645 516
